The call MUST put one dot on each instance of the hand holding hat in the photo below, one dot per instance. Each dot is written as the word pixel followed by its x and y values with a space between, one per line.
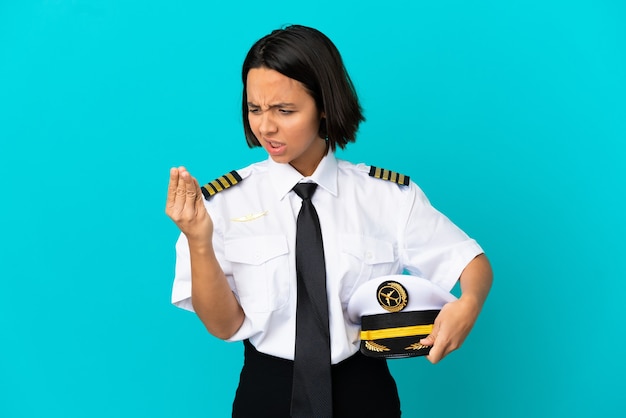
pixel 396 313
pixel 407 316
pixel 450 329
pixel 457 318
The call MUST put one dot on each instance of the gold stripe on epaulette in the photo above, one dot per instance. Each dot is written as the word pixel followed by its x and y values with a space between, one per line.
pixel 381 173
pixel 220 183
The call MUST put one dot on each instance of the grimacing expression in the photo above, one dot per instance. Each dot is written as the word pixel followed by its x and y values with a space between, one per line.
pixel 285 120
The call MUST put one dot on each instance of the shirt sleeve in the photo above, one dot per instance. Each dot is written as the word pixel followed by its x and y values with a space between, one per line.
pixel 431 245
pixel 181 290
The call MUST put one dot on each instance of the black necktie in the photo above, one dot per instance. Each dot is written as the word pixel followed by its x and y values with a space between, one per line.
pixel 312 391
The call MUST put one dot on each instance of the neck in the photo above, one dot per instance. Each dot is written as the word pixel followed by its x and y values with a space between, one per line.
pixel 307 166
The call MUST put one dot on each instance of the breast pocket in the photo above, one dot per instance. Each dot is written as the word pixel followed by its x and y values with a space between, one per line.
pixel 261 271
pixel 364 258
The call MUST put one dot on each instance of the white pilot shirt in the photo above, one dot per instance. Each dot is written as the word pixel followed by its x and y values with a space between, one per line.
pixel 370 228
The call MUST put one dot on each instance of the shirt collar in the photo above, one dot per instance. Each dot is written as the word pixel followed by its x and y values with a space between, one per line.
pixel 283 176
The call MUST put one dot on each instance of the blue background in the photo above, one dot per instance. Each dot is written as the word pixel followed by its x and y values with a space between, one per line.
pixel 510 115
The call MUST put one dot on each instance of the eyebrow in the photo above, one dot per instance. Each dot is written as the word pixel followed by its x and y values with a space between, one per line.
pixel 282 104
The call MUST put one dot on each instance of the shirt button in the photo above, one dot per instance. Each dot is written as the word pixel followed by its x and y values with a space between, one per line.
pixel 369 255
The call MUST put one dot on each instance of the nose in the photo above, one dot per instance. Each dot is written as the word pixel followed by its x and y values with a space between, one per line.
pixel 267 124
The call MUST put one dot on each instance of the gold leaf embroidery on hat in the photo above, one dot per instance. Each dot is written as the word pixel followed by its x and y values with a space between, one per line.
pixel 416 346
pixel 372 346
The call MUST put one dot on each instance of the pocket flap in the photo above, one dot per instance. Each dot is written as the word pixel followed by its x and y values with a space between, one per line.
pixel 255 250
pixel 370 250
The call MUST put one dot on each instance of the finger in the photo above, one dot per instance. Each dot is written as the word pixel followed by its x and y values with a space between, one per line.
pixel 428 340
pixel 181 190
pixel 432 337
pixel 437 350
pixel 441 348
pixel 171 187
pixel 191 194
pixel 199 194
pixel 431 340
pixel 436 353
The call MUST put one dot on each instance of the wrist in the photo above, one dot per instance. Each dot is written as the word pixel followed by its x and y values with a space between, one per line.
pixel 200 246
pixel 471 301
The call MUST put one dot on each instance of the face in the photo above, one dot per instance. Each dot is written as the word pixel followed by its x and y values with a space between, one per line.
pixel 285 120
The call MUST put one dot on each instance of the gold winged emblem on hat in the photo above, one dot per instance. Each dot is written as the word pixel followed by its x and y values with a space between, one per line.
pixel 392 296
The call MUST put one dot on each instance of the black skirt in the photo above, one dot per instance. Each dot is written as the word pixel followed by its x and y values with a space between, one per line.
pixel 362 387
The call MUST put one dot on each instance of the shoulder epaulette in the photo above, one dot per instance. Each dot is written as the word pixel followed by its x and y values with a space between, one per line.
pixel 220 183
pixel 381 173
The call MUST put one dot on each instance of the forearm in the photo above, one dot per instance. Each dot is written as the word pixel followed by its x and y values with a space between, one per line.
pixel 456 319
pixel 476 281
pixel 211 296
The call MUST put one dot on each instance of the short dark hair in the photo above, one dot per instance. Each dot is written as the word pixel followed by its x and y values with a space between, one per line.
pixel 308 56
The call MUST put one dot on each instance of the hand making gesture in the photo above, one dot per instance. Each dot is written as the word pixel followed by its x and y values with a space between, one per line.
pixel 185 206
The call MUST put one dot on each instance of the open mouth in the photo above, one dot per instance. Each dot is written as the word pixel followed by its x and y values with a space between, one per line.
pixel 275 144
pixel 274 147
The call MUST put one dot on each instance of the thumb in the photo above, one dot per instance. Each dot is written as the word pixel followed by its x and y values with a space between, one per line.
pixel 428 340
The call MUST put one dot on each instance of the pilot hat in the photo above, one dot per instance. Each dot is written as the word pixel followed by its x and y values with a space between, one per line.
pixel 395 313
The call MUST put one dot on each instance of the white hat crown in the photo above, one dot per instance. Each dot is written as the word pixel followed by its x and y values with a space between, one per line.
pixel 422 295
